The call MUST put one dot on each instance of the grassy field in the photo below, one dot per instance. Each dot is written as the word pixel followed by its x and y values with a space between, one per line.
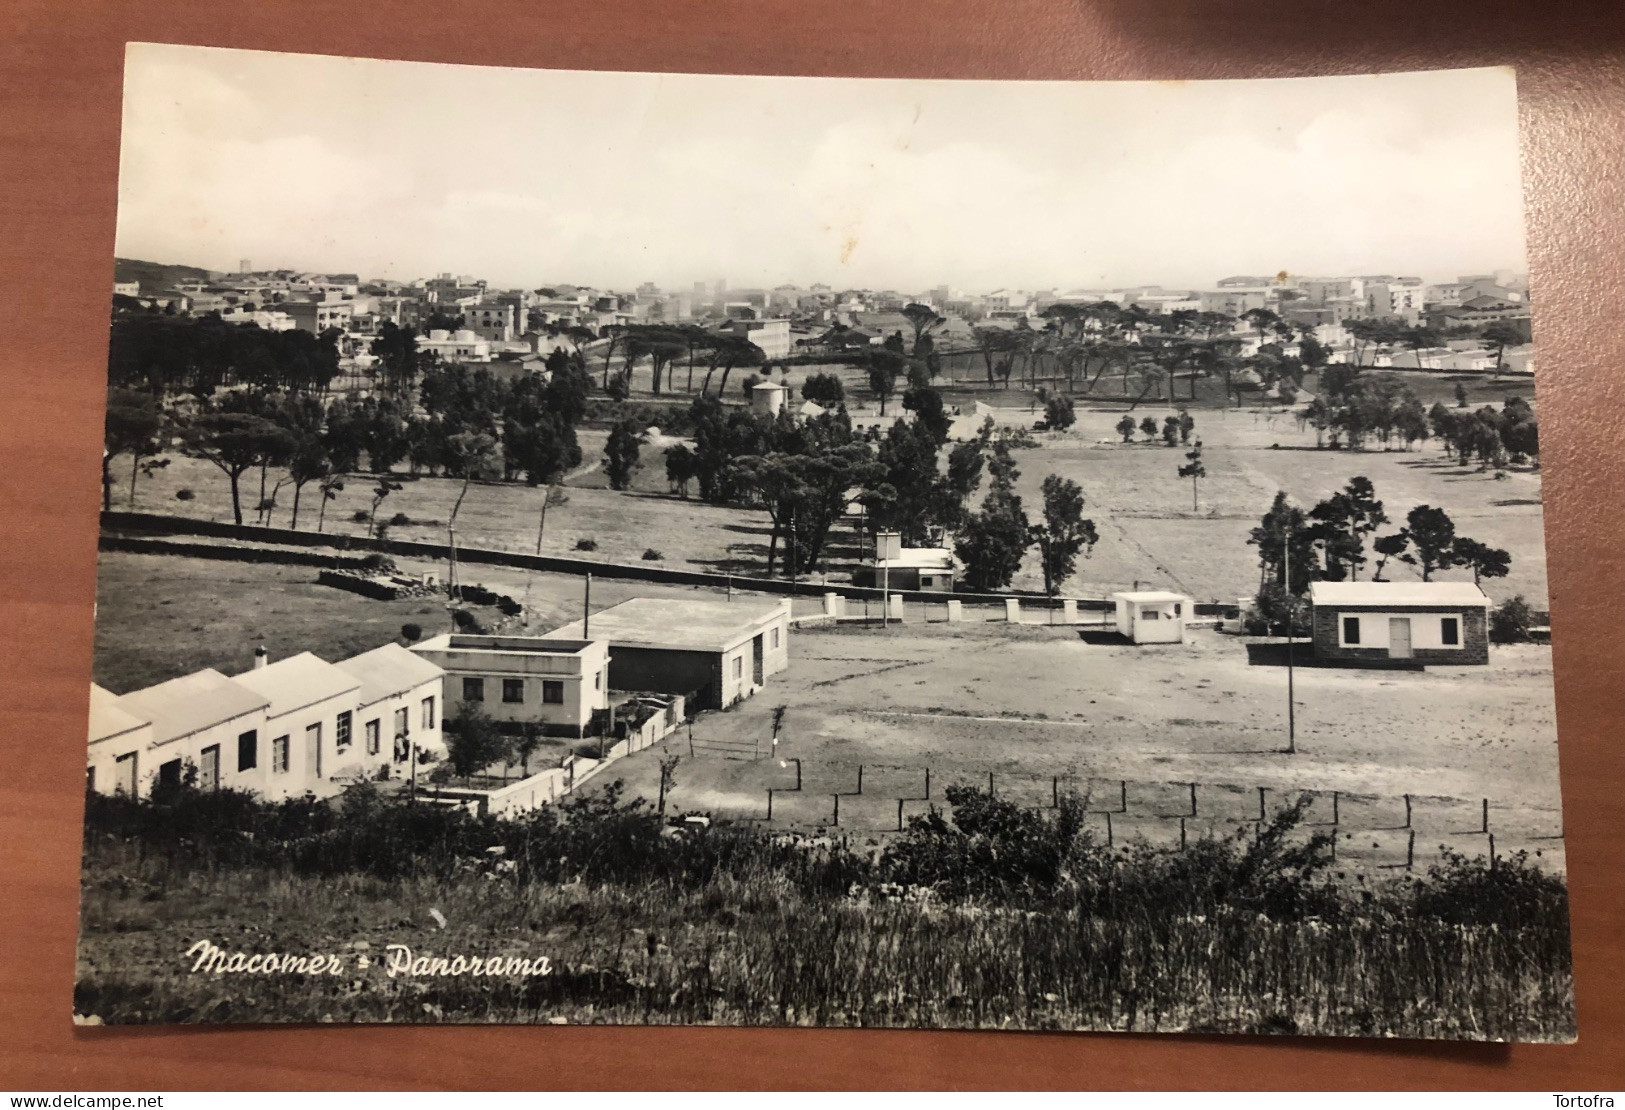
pixel 1150 532
pixel 161 616
pixel 1030 923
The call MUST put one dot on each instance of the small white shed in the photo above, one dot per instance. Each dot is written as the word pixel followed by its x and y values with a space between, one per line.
pixel 1153 616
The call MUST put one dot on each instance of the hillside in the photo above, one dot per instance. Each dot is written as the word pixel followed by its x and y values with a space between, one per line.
pixel 154 276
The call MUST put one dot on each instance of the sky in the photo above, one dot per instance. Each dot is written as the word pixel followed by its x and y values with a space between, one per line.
pixel 405 170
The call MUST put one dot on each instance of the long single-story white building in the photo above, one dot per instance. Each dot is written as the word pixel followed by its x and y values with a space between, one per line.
pixel 297 726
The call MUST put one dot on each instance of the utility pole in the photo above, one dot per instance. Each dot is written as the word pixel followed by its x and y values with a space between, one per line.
pixel 586 609
pixel 1291 612
pixel 451 574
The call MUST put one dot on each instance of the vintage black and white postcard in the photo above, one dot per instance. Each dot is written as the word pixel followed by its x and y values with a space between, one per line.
pixel 657 548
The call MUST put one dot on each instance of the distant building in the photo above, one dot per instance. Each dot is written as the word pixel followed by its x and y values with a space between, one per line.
pixel 459 346
pixel 126 288
pixel 1422 622
pixel 317 316
pixel 492 321
pixel 560 685
pixel 931 569
pixel 1153 616
pixel 772 336
pixel 715 653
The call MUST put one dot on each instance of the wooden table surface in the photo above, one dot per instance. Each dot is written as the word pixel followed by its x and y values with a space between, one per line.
pixel 60 74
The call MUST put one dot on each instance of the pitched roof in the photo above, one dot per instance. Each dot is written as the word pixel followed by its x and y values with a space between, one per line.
pixel 1378 595
pixel 108 718
pixel 387 671
pixel 297 681
pixel 192 703
pixel 678 623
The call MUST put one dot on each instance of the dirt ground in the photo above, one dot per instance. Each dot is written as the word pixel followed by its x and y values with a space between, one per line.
pixel 1047 708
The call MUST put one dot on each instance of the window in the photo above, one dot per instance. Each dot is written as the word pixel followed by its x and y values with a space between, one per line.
pixel 1450 631
pixel 248 750
pixel 598 681
pixel 552 692
pixel 513 689
pixel 776 627
pixel 428 713
pixel 373 743
pixel 1351 630
pixel 1150 615
pixel 279 755
pixel 341 732
pixel 739 666
pixel 400 722
pixel 473 689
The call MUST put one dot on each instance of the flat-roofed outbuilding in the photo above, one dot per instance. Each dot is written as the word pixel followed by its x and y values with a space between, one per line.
pixel 714 653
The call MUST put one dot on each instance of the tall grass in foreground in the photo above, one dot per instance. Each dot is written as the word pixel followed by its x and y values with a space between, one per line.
pixel 999 917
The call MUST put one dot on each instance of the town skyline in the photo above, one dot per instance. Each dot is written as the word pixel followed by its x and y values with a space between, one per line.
pixel 616 179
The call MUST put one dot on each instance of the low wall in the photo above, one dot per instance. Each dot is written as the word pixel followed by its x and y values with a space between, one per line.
pixel 159 524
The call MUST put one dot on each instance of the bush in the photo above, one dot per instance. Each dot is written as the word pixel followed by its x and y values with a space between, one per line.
pixel 1510 621
pixel 184 495
pixel 411 632
pixel 360 516
pixel 652 556
pixel 1059 413
pixel 586 544
pixel 400 519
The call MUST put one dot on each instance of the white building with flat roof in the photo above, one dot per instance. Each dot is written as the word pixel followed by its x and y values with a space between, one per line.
pixel 556 683
pixel 714 653
pixel 1153 616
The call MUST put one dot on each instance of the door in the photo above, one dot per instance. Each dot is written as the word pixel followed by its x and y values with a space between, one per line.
pixel 208 777
pixel 313 751
pixel 756 659
pixel 1399 637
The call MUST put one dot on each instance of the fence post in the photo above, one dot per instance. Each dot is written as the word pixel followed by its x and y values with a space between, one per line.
pixel 1492 851
pixel 1336 797
pixel 990 793
pixel 1122 795
pixel 1407 811
pixel 860 778
pixel 1410 850
pixel 770 803
pixel 1193 803
pixel 1486 816
pixel 837 798
pixel 1108 828
pixel 1261 814
pixel 899 815
pixel 1055 791
pixel 928 784
pixel 1181 834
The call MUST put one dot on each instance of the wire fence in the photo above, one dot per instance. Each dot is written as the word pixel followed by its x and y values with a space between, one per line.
pixel 1367 831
